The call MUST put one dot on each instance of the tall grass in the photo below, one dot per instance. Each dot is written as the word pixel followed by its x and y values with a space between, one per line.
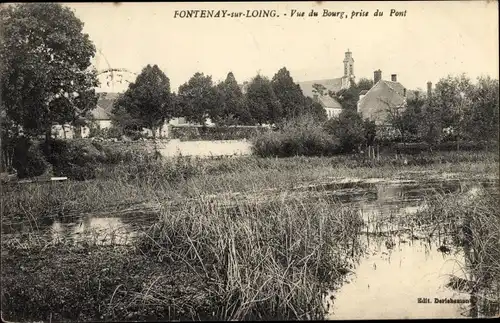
pixel 262 260
pixel 150 179
pixel 473 221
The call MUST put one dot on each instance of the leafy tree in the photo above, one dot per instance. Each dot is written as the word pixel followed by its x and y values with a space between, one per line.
pixel 412 116
pixel 364 84
pixel 348 129
pixel 481 119
pixel 319 89
pixel 46 69
pixel 289 94
pixel 430 129
pixel 370 131
pixel 122 119
pixel 262 102
pixel 315 109
pixel 349 98
pixel 198 99
pixel 231 102
pixel 148 100
pixel 452 96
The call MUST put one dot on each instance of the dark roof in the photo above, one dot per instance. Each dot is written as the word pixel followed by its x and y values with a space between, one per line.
pixel 333 85
pixel 104 106
pixel 329 102
pixel 379 98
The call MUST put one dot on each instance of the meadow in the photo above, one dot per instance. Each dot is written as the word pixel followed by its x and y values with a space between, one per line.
pixel 231 241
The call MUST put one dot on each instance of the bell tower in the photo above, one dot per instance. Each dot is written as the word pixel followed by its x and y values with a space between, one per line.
pixel 348 70
pixel 348 65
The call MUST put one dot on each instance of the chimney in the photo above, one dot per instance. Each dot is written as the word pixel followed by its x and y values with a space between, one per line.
pixel 377 76
pixel 429 89
pixel 394 77
pixel 315 98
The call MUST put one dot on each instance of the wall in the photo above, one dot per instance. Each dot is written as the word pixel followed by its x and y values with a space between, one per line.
pixel 176 147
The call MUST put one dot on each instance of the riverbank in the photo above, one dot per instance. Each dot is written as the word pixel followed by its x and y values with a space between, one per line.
pixel 174 180
pixel 255 261
pixel 214 251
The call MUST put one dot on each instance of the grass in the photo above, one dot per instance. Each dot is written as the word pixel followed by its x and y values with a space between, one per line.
pixel 213 254
pixel 249 261
pixel 472 220
pixel 183 177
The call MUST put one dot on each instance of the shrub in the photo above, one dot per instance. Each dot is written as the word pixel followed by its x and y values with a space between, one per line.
pixel 348 129
pixel 302 136
pixel 215 133
pixel 28 159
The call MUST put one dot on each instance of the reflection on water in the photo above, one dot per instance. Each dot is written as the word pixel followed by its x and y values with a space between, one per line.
pixel 391 279
pixel 388 282
pixel 101 231
pixel 400 277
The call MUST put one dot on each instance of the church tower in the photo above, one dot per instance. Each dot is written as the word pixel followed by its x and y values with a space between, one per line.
pixel 348 70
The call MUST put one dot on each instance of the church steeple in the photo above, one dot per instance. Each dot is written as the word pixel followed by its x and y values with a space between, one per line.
pixel 348 65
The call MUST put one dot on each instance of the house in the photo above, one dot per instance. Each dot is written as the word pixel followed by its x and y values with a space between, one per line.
pixel 327 86
pixel 103 111
pixel 385 96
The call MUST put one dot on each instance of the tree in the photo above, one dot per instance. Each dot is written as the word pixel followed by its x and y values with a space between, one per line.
pixel 289 94
pixel 364 84
pixel 452 96
pixel 319 89
pixel 348 128
pixel 198 99
pixel 46 74
pixel 262 102
pixel 148 99
pixel 370 131
pixel 348 98
pixel 231 103
pixel 122 119
pixel 481 119
pixel 315 109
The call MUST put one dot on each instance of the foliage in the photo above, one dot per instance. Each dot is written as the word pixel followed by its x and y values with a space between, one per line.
pixel 46 74
pixel 232 109
pixel 348 129
pixel 288 93
pixel 302 136
pixel 315 110
pixel 370 130
pixel 215 133
pixel 452 95
pixel 198 99
pixel 28 159
pixel 262 102
pixel 482 117
pixel 147 100
pixel 348 98
pixel 319 89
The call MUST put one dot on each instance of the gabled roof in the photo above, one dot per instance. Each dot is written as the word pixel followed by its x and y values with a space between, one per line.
pixel 104 106
pixel 381 97
pixel 328 102
pixel 100 114
pixel 330 84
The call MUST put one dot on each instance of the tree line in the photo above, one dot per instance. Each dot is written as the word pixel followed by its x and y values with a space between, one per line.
pixel 149 102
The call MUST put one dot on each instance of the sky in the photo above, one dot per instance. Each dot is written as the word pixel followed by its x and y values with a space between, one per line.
pixel 433 40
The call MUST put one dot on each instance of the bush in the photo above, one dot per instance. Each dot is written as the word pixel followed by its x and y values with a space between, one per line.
pixel 348 129
pixel 82 159
pixel 298 137
pixel 28 159
pixel 215 133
